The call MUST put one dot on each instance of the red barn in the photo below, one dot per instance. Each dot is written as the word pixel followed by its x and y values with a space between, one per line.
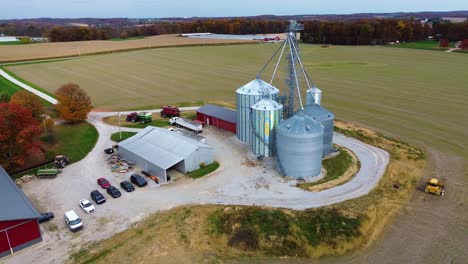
pixel 443 43
pixel 18 218
pixel 218 116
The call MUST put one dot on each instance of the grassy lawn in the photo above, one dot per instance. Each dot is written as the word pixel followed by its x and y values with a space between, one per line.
pixel 75 141
pixel 10 42
pixel 158 121
pixel 336 167
pixel 425 45
pixel 204 170
pixel 125 135
pixel 8 87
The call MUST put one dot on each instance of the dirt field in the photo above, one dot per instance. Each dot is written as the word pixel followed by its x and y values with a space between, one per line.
pixel 10 53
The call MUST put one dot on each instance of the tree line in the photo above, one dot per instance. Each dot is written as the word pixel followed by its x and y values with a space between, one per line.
pixel 379 31
pixel 358 32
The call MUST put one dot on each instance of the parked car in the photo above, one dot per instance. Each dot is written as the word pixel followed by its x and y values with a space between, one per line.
pixel 98 197
pixel 87 206
pixel 73 221
pixel 114 192
pixel 138 180
pixel 45 217
pixel 103 183
pixel 109 150
pixel 127 186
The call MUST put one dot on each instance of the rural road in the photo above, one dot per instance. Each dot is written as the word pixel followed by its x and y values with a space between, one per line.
pixel 234 182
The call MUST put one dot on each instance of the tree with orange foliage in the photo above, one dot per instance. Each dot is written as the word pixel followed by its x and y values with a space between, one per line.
pixel 18 135
pixel 73 103
pixel 30 101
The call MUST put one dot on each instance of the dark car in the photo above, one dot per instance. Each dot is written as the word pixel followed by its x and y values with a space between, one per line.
pixel 114 192
pixel 98 197
pixel 126 185
pixel 103 183
pixel 45 217
pixel 138 180
pixel 109 150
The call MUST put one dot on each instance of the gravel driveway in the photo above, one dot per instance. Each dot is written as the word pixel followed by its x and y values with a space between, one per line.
pixel 235 182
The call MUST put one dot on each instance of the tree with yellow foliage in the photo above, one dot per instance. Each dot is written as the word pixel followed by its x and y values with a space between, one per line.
pixel 73 103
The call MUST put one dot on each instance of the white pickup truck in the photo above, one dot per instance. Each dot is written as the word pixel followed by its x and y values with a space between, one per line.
pixel 193 126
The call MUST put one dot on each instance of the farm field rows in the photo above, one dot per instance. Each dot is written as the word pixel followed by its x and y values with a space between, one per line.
pixel 410 93
pixel 11 53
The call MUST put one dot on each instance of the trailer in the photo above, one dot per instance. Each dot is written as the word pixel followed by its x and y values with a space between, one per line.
pixel 193 126
pixel 47 173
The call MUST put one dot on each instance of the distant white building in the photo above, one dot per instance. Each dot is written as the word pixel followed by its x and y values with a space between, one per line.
pixel 8 39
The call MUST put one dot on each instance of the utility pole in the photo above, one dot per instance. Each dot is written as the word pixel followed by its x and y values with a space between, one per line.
pixel 120 129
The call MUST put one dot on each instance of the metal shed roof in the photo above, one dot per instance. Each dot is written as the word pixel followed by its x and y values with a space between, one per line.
pixel 219 112
pixel 13 202
pixel 161 147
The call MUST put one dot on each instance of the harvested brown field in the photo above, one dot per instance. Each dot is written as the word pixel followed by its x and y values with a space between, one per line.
pixel 12 53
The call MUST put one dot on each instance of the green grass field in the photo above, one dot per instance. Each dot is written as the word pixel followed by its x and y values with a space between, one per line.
pixel 425 45
pixel 8 87
pixel 417 95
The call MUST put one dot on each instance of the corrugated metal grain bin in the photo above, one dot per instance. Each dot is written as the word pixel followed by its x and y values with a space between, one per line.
pixel 246 96
pixel 326 118
pixel 299 141
pixel 266 115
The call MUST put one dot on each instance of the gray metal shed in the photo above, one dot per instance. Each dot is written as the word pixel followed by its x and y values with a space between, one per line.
pixel 157 150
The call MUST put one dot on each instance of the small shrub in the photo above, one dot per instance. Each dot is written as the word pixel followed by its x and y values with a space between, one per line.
pixel 244 238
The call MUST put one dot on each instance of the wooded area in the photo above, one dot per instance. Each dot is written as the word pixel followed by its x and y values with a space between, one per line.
pixel 357 32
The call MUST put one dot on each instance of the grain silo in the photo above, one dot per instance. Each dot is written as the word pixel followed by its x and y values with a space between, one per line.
pixel 266 115
pixel 314 95
pixel 326 118
pixel 299 141
pixel 246 96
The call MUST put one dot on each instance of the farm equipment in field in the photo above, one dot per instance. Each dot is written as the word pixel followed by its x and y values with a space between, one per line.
pixel 434 186
pixel 170 111
pixel 193 126
pixel 47 173
pixel 61 161
pixel 142 117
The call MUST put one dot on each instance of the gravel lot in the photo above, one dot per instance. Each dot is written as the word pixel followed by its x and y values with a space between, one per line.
pixel 237 181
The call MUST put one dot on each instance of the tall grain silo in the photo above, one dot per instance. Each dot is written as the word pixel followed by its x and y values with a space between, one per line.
pixel 246 96
pixel 326 118
pixel 266 115
pixel 299 141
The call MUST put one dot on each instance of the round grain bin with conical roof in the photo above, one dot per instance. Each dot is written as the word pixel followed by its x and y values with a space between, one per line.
pixel 313 95
pixel 265 117
pixel 326 118
pixel 299 141
pixel 246 96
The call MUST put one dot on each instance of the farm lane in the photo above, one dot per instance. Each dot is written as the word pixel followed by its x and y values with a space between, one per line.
pixel 28 88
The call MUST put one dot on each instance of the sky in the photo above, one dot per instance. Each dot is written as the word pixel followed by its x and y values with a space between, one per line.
pixel 11 9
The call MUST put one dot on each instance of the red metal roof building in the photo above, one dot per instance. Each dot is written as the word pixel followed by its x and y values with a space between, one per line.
pixel 218 116
pixel 19 227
